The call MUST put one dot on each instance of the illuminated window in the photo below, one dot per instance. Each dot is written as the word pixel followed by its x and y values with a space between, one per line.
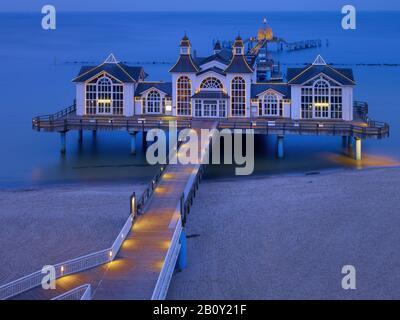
pixel 222 108
pixel 238 97
pixel 104 96
pixel 118 99
pixel 211 83
pixel 306 103
pixel 197 108
pixel 336 103
pixel 184 92
pixel 104 92
pixel 321 99
pixel 153 102
pixel 270 105
pixel 91 99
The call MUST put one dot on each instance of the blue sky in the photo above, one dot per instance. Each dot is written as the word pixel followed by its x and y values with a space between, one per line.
pixel 203 5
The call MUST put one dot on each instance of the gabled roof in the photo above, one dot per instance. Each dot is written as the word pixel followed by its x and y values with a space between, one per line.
pixel 238 65
pixel 185 63
pixel 118 70
pixel 212 69
pixel 223 56
pixel 204 94
pixel 165 87
pixel 258 88
pixel 344 76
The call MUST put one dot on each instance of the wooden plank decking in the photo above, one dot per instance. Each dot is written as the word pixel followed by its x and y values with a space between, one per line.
pixel 134 272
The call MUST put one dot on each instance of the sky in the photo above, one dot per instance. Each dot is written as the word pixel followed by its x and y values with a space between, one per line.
pixel 198 5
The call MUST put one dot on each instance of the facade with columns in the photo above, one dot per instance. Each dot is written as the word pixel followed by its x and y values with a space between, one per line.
pixel 221 85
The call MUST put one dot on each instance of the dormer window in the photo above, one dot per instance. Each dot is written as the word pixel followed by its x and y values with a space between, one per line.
pixel 238 50
pixel 184 50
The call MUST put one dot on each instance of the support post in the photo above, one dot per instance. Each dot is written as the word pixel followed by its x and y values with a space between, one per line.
pixel 358 149
pixel 133 142
pixel 80 138
pixel 279 149
pixel 63 141
pixel 344 141
pixel 94 134
pixel 182 259
pixel 349 141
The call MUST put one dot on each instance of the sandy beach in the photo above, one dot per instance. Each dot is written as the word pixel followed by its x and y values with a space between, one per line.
pixel 288 237
pixel 49 225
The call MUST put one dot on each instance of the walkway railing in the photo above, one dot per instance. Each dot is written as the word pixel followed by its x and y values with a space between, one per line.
pixel 80 293
pixel 104 123
pixel 85 262
pixel 147 193
pixel 68 267
pixel 164 278
pixel 327 127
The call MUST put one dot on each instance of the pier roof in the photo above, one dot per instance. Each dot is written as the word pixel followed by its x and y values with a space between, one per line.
pixel 210 95
pixel 212 69
pixel 258 88
pixel 120 71
pixel 165 87
pixel 185 64
pixel 344 76
pixel 239 65
pixel 224 56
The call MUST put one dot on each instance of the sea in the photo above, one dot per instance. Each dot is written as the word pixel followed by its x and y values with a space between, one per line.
pixel 37 67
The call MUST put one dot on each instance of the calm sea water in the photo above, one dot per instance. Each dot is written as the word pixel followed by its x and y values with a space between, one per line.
pixel 37 67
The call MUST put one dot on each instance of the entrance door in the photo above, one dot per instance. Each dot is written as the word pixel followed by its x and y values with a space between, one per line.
pixel 210 108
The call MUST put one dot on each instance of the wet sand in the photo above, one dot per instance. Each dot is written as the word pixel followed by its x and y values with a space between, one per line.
pixel 49 225
pixel 288 237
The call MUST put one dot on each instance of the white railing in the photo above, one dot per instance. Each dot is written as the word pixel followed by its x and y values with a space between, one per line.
pixel 68 267
pixel 80 293
pixel 164 278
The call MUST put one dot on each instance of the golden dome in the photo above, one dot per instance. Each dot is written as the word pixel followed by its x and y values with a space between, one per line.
pixel 265 32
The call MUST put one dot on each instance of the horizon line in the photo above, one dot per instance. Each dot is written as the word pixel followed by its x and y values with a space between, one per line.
pixel 198 11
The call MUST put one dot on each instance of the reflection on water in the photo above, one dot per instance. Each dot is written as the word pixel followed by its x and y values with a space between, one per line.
pixel 30 157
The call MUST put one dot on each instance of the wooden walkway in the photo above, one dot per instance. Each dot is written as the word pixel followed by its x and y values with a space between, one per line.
pixel 134 272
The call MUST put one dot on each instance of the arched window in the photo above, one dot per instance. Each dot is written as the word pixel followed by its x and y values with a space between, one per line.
pixel 153 102
pixel 104 93
pixel 238 97
pixel 211 83
pixel 270 104
pixel 184 92
pixel 321 99
pixel 104 96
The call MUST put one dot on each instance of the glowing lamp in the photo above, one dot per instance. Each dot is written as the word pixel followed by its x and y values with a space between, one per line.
pixel 133 204
pixel 168 106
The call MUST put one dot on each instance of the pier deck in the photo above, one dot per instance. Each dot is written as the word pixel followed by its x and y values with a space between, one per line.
pixel 67 120
pixel 135 271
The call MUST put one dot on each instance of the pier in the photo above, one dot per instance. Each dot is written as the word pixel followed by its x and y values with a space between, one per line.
pixel 153 245
pixel 360 128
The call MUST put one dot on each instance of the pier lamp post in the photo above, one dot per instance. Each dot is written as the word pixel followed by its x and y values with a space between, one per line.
pixel 168 105
pixel 133 205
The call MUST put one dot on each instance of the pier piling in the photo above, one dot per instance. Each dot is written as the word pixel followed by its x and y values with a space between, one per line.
pixel 80 137
pixel 358 149
pixel 63 142
pixel 279 147
pixel 133 142
pixel 344 141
